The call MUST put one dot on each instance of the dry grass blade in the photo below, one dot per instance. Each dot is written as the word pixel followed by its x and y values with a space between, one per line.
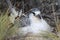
pixel 4 26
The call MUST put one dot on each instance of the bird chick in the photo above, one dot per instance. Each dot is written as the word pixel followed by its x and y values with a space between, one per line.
pixel 37 24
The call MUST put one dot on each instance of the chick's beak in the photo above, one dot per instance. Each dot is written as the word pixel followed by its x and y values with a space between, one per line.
pixel 39 16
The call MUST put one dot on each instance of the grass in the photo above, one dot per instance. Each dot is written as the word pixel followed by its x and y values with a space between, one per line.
pixel 5 25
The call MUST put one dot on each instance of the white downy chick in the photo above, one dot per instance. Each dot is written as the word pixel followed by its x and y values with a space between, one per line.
pixel 37 24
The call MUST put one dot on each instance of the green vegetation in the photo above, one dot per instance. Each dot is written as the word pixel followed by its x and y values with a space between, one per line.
pixel 5 26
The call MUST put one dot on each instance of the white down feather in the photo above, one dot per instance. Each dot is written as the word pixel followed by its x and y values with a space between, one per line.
pixel 37 26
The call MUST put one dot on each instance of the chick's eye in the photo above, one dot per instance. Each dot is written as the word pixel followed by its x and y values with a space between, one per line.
pixel 33 13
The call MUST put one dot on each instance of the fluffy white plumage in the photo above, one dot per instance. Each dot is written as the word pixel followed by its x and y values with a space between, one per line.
pixel 37 25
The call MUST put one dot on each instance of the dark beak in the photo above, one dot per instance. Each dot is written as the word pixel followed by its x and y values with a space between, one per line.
pixel 39 16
